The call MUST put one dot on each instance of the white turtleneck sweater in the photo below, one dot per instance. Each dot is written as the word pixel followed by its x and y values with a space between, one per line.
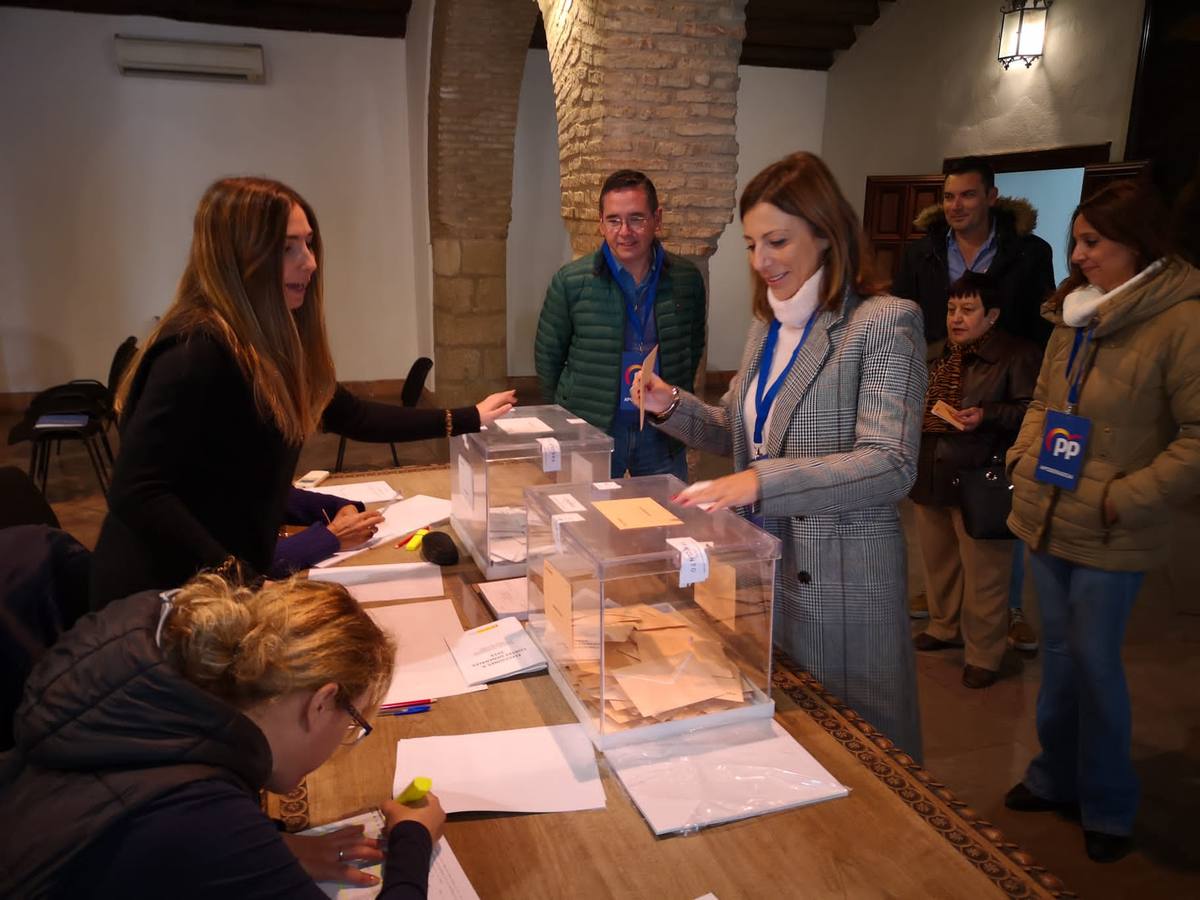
pixel 793 314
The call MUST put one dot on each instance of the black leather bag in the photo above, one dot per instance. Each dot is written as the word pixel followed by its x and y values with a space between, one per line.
pixel 985 496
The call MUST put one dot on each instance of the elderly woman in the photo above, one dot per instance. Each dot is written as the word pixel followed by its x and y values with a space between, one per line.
pixel 981 379
pixel 148 731
pixel 823 421
pixel 1109 448
pixel 231 382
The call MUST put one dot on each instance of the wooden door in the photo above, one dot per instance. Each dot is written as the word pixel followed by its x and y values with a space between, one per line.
pixel 892 202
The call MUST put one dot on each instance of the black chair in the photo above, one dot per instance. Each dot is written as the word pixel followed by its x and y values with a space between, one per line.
pixel 410 395
pixel 80 410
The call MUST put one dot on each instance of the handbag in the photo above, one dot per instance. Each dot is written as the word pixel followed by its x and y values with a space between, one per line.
pixel 985 497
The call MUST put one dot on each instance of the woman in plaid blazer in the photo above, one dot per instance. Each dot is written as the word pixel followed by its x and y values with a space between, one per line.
pixel 825 447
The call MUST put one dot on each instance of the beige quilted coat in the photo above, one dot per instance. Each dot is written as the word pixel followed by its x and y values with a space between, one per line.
pixel 1141 390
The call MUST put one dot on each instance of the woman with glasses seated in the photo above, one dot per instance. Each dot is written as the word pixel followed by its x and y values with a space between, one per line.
pixel 148 731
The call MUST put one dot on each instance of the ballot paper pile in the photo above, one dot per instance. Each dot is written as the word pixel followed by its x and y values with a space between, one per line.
pixel 652 616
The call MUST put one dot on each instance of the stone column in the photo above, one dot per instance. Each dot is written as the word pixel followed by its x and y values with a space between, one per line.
pixel 477 60
pixel 649 86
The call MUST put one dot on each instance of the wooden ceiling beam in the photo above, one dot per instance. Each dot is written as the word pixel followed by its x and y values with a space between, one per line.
pixel 785 57
pixel 829 12
pixel 788 33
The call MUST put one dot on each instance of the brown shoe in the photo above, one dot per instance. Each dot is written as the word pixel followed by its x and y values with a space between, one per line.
pixel 1021 635
pixel 978 677
pixel 926 641
pixel 918 606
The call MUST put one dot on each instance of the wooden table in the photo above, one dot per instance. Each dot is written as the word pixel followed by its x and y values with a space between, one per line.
pixel 899 834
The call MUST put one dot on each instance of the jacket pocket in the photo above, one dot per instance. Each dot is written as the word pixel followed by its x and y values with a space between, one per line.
pixel 1105 525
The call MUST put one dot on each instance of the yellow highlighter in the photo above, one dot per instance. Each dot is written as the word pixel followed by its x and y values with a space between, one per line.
pixel 416 790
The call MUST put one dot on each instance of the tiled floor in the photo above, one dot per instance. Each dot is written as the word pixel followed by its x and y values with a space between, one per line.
pixel 977 742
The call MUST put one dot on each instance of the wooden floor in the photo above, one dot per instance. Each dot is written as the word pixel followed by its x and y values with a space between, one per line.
pixel 977 742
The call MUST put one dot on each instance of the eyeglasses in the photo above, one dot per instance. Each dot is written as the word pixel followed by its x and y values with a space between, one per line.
pixel 358 729
pixel 636 223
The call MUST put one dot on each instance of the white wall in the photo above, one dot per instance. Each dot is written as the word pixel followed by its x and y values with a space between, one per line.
pixel 922 83
pixel 1054 193
pixel 100 175
pixel 537 238
pixel 779 111
pixel 418 40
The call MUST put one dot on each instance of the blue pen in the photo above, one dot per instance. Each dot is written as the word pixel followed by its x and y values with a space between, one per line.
pixel 406 711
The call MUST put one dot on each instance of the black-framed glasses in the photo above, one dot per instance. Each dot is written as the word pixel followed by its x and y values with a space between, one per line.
pixel 358 728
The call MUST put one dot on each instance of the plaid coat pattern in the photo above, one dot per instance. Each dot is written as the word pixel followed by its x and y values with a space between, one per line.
pixel 841 451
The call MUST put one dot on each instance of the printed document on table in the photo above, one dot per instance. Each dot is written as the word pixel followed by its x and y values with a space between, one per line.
pixel 362 491
pixel 547 769
pixel 506 598
pixel 397 581
pixel 721 774
pixel 424 667
pixel 399 519
pixel 496 650
pixel 447 880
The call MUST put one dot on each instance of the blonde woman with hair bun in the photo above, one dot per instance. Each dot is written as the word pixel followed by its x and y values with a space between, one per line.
pixel 148 731
pixel 229 385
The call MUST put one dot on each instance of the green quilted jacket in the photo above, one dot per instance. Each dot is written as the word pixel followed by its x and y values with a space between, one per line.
pixel 581 334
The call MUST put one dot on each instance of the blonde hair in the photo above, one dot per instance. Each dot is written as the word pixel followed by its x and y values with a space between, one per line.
pixel 247 647
pixel 232 289
pixel 801 185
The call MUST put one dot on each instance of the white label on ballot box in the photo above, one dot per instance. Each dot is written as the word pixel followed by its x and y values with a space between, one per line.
pixel 556 525
pixel 566 502
pixel 606 486
pixel 551 454
pixel 693 560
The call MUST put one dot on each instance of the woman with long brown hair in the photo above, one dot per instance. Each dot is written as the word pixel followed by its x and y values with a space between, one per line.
pixel 234 378
pixel 823 421
pixel 1109 449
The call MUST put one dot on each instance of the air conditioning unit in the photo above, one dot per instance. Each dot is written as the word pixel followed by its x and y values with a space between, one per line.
pixel 155 58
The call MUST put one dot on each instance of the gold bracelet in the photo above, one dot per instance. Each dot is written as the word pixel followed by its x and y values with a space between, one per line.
pixel 449 423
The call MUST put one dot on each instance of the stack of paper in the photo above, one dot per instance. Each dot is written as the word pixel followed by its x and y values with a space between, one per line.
pixel 506 534
pixel 548 769
pixel 506 598
pixel 399 519
pixel 361 491
pixel 447 880
pixel 496 650
pixel 398 581
pixel 714 775
pixel 424 667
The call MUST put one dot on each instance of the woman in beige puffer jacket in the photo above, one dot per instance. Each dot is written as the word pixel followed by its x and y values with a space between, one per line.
pixel 1132 308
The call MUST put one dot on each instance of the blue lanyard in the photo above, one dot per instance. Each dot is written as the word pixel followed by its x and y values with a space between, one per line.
pixel 765 396
pixel 639 324
pixel 1082 340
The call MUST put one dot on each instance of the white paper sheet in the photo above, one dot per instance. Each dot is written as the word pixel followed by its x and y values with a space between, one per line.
pixel 522 425
pixel 496 650
pixel 548 769
pixel 397 581
pixel 721 774
pixel 506 598
pixel 399 519
pixel 424 667
pixel 362 491
pixel 447 880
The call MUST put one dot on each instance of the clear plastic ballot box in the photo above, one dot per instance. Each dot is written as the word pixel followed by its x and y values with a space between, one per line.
pixel 490 469
pixel 655 618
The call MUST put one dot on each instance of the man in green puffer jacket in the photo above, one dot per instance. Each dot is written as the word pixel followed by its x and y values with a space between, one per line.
pixel 603 314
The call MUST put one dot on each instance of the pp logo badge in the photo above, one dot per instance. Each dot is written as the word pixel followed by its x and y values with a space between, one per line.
pixel 1064 444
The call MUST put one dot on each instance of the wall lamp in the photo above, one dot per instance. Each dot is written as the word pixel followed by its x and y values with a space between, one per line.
pixel 1022 31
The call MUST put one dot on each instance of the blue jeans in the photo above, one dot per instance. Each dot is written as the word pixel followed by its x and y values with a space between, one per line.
pixel 1016 577
pixel 1083 716
pixel 646 452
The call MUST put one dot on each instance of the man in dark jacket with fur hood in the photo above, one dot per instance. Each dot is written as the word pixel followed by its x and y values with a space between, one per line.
pixel 977 230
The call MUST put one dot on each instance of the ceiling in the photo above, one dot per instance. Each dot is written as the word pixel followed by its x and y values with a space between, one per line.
pixel 786 34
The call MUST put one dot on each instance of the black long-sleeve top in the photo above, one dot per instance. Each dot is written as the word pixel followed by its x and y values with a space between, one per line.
pixel 202 476
pixel 209 839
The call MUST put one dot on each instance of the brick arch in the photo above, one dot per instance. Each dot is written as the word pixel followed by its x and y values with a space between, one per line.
pixel 477 59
